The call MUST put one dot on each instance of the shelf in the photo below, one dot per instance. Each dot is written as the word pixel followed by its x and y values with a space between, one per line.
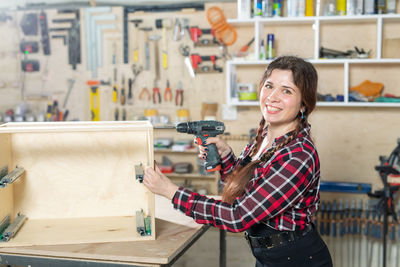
pixel 191 151
pixel 191 176
pixel 358 104
pixel 281 20
pixel 239 62
pixel 235 102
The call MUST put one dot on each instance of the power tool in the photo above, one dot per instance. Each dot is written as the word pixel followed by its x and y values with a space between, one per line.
pixel 202 130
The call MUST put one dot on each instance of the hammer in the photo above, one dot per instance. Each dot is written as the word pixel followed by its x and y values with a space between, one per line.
pixel 136 23
pixel 164 24
pixel 156 38
pixel 147 46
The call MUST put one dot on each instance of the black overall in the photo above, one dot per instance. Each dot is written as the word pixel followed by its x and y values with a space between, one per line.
pixel 286 249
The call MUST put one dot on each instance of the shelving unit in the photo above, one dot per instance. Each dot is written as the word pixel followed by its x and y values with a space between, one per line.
pixel 315 23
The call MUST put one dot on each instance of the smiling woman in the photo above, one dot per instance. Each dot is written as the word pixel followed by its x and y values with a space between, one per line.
pixel 272 189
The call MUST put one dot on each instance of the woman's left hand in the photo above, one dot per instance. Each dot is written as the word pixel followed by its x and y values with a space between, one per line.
pixel 158 183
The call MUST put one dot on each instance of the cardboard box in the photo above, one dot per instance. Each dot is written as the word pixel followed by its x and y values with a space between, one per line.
pixel 79 184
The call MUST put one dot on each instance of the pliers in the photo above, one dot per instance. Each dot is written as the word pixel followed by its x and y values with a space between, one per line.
pixel 156 93
pixel 179 95
pixel 168 93
pixel 144 92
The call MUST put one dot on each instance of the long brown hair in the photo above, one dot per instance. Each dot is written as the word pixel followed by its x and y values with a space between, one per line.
pixel 306 79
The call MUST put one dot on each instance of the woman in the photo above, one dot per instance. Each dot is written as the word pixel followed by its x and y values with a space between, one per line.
pixel 272 189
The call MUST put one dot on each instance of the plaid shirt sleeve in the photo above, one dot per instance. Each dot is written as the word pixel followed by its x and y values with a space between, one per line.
pixel 229 162
pixel 277 187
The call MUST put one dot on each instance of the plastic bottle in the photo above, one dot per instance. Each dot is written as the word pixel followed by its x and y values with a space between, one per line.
pixel 277 8
pixel 391 6
pixel 350 7
pixel 270 46
pixel 291 8
pixel 244 9
pixel 359 7
pixel 301 8
pixel 341 7
pixel 267 8
pixel 309 8
pixel 262 50
pixel 257 8
pixel 329 8
pixel 381 6
pixel 369 7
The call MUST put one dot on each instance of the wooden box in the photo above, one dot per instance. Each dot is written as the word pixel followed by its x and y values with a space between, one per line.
pixel 79 184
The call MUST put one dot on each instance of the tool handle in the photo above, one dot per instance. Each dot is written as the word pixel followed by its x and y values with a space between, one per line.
pixel 136 55
pixel 213 160
pixel 165 60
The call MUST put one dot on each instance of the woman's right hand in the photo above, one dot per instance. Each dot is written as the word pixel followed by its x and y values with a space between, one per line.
pixel 223 148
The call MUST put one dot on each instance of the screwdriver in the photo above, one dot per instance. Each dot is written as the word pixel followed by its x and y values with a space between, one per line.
pixel 246 47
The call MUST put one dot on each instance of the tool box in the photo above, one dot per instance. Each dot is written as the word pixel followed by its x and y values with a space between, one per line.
pixel 74 182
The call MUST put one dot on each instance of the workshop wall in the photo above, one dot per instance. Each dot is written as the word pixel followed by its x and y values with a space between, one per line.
pixel 349 140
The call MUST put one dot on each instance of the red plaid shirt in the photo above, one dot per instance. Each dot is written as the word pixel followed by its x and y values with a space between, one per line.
pixel 283 192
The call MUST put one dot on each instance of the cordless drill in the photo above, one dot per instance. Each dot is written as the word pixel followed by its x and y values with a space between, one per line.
pixel 202 130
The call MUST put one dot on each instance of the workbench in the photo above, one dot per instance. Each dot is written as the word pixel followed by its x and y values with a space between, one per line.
pixel 175 234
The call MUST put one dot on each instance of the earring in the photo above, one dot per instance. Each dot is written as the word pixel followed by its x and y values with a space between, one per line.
pixel 302 115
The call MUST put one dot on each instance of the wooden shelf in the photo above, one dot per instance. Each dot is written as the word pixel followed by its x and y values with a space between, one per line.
pixel 347 64
pixel 235 102
pixel 360 18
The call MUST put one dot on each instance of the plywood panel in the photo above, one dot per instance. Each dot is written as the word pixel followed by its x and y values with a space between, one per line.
pixel 80 170
pixel 174 232
pixel 76 231
pixel 6 194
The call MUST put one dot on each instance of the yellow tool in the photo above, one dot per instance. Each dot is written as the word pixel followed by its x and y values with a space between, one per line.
pixel 94 100
pixel 164 24
pixel 136 23
pixel 115 88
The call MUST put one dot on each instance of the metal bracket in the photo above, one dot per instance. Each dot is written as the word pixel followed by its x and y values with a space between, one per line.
pixel 11 177
pixel 13 228
pixel 139 173
pixel 4 224
pixel 140 228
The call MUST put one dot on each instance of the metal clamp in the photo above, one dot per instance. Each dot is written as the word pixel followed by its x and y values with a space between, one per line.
pixel 11 177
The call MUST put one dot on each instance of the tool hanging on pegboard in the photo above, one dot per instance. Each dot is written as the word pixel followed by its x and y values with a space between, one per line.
pixel 197 60
pixel 72 36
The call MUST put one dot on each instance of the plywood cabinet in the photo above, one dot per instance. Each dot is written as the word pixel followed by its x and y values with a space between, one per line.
pixel 79 184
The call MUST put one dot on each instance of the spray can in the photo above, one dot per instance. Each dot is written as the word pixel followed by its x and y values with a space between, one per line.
pixel 381 6
pixel 262 50
pixel 391 6
pixel 257 8
pixel 291 8
pixel 301 8
pixel 277 8
pixel 309 8
pixel 267 8
pixel 244 9
pixel 350 7
pixel 329 8
pixel 359 7
pixel 341 7
pixel 270 46
pixel 369 7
